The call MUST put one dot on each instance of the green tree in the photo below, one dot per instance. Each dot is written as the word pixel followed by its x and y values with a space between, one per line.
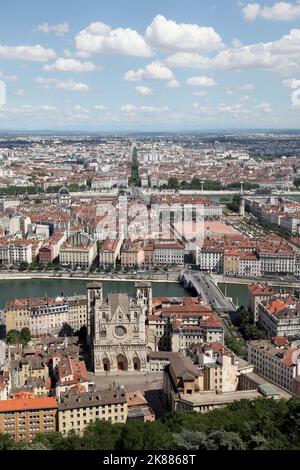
pixel 13 336
pixel 101 435
pixel 25 336
pixel 173 183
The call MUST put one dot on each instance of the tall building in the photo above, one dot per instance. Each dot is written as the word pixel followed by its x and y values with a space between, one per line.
pixel 117 330
pixel 24 416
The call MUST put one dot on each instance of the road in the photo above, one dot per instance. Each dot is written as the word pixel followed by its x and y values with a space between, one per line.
pixel 205 286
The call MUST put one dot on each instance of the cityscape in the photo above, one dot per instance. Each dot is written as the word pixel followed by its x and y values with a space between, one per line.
pixel 150 257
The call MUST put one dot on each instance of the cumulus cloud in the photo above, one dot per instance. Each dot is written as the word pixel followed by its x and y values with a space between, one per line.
pixel 33 53
pixel 265 107
pixel 67 85
pixel 153 71
pixel 143 90
pixel 70 65
pixel 168 35
pixel 279 11
pixel 21 92
pixel 282 55
pixel 173 84
pixel 101 38
pixel 9 78
pixel 247 87
pixel 201 81
pixel 59 29
pixel 132 109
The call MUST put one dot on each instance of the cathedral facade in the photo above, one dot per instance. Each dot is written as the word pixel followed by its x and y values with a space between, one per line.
pixel 117 329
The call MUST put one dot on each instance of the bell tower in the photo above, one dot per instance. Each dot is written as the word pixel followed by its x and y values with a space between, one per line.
pixel 143 295
pixel 94 298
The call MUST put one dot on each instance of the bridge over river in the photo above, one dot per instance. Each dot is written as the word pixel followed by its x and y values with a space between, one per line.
pixel 205 286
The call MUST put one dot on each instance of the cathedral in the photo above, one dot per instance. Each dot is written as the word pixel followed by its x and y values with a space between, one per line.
pixel 116 328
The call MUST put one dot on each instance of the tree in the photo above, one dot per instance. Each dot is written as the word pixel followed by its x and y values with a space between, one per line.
pixel 25 336
pixel 173 183
pixel 7 442
pixel 101 435
pixel 66 330
pixel 24 266
pixel 13 336
pixel 297 182
pixel 215 440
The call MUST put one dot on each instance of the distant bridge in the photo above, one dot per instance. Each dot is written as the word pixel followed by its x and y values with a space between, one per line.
pixel 205 286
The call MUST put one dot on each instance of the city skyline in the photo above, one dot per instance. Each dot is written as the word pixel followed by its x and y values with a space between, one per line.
pixel 130 67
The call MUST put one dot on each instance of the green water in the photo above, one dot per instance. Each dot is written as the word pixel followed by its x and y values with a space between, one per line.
pixel 238 293
pixel 53 287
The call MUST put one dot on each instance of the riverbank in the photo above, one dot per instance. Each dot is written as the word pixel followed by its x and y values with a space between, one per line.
pixel 220 279
pixel 90 277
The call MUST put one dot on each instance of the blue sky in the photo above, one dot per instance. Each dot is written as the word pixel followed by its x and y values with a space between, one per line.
pixel 150 65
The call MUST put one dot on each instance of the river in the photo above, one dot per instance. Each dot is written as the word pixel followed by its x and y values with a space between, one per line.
pixel 17 288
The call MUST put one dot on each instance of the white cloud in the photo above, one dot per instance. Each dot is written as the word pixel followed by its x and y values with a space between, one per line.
pixel 132 109
pixel 143 90
pixel 173 84
pixel 9 78
pixel 279 11
pixel 291 83
pixel 70 65
pixel 236 43
pixel 247 87
pixel 201 81
pixel 101 38
pixel 59 29
pixel 251 11
pixel 68 85
pixel 153 71
pixel 265 107
pixel 33 53
pixel 282 55
pixel 21 92
pixel 169 35
pixel 82 55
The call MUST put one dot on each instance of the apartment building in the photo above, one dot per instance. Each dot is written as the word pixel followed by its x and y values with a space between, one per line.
pixel 25 415
pixel 258 293
pixel 132 254
pixel 210 259
pixel 275 360
pixel 280 316
pixel 50 250
pixel 168 252
pixel 277 259
pixel 110 252
pixel 78 251
pixel 77 312
pixel 76 411
pixel 70 375
pixel 45 315
pixel 14 252
pixel 185 332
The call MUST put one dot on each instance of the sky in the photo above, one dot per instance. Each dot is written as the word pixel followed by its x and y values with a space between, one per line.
pixel 149 65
